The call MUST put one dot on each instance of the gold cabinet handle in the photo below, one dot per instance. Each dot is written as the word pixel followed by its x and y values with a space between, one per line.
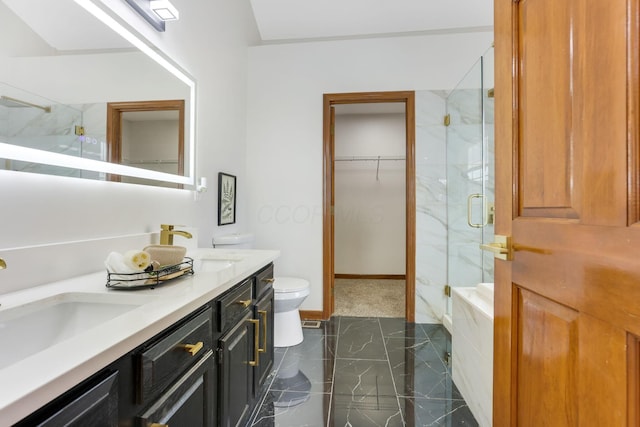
pixel 158 425
pixel 256 344
pixel 193 348
pixel 3 264
pixel 263 314
pixel 244 303
pixel 271 280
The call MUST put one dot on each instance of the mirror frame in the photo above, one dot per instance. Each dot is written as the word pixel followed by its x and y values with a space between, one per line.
pixel 14 152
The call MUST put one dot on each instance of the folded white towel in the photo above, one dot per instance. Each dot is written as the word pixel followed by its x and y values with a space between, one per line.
pixel 115 264
pixel 126 265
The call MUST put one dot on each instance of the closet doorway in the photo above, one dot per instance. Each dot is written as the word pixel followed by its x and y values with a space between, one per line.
pixel 407 101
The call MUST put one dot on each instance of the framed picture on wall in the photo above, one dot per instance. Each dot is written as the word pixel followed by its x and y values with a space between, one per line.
pixel 226 199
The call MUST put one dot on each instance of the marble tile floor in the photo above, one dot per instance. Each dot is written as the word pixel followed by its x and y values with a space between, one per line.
pixel 361 372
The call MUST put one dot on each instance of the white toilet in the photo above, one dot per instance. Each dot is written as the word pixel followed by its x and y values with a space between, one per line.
pixel 289 292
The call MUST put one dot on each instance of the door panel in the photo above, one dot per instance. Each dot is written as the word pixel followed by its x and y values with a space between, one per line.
pixel 235 374
pixel 633 345
pixel 567 316
pixel 545 32
pixel 546 358
pixel 263 311
pixel 603 371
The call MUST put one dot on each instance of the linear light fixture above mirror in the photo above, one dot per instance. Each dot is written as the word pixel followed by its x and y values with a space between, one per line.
pixel 155 12
pixel 164 10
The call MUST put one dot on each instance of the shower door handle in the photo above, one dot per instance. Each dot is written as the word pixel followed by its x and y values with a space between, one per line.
pixel 487 207
pixel 470 209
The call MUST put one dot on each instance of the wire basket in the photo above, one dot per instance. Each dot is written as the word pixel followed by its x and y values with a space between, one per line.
pixel 149 280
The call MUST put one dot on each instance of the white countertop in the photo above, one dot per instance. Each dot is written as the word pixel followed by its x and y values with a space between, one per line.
pixel 28 384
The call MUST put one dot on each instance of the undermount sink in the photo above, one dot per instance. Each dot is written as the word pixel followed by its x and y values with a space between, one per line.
pixel 35 326
pixel 211 260
pixel 206 265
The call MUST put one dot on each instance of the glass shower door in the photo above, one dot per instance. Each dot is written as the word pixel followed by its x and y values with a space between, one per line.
pixel 470 177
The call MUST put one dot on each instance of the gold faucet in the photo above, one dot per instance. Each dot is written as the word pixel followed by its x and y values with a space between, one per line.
pixel 167 232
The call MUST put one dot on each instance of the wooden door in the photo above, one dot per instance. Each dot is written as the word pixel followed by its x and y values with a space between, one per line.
pixel 567 306
pixel 329 101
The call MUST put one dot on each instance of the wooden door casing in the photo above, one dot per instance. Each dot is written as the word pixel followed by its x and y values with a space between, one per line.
pixel 567 317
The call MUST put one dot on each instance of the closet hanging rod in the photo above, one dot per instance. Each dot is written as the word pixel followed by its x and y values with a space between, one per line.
pixel 367 158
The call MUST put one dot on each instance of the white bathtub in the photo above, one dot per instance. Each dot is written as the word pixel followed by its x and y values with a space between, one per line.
pixel 472 348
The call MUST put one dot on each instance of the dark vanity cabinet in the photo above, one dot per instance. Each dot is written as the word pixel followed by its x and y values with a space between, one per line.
pixel 168 380
pixel 175 376
pixel 206 370
pixel 237 353
pixel 188 402
pixel 93 403
pixel 245 346
pixel 263 312
pixel 236 359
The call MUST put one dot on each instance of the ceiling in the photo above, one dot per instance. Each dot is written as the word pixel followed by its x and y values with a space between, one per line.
pixel 281 20
pixel 63 24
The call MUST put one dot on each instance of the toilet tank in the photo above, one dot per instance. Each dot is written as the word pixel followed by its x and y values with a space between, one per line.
pixel 233 241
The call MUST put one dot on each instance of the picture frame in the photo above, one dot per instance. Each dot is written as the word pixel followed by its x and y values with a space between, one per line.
pixel 226 199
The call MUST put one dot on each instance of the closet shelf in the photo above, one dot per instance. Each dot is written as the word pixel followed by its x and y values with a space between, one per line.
pixel 150 162
pixel 367 158
pixel 377 159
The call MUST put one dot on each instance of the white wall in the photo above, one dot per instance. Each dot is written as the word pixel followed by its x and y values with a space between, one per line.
pixel 284 131
pixel 210 42
pixel 370 202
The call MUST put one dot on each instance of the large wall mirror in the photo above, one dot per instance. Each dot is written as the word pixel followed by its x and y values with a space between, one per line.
pixel 65 64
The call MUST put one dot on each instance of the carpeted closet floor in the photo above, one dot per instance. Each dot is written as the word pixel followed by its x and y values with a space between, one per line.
pixel 369 298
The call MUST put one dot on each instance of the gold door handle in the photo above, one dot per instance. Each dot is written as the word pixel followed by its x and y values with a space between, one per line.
pixel 488 209
pixel 256 344
pixel 470 208
pixel 502 248
pixel 263 313
pixel 193 348
pixel 244 303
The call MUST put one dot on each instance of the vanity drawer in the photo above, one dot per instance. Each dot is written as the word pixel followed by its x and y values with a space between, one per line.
pixel 168 358
pixel 264 281
pixel 232 306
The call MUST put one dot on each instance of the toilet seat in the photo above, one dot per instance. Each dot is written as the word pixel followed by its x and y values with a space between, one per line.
pixel 289 284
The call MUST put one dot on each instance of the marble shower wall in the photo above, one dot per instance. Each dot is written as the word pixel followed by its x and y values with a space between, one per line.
pixel 451 163
pixel 431 206
pixel 53 131
pixel 467 172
